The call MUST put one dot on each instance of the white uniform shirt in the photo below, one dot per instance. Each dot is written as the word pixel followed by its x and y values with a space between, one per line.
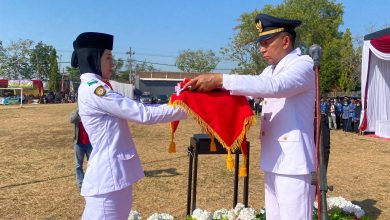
pixel 287 130
pixel 114 163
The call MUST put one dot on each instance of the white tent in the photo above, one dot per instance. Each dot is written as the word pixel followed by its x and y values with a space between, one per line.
pixel 375 83
pixel 123 88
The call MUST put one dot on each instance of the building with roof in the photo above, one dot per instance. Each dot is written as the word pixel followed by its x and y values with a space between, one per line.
pixel 160 83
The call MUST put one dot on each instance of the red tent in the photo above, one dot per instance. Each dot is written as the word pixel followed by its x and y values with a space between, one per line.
pixel 37 84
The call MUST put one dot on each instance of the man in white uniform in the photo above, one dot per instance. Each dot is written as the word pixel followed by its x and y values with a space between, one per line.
pixel 114 164
pixel 287 133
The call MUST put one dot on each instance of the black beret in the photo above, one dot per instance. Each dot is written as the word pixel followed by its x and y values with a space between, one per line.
pixel 268 26
pixel 94 40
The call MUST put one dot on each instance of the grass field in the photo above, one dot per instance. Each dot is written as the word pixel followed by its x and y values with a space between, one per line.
pixel 37 168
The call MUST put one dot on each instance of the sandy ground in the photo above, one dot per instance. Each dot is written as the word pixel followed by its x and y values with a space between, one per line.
pixel 37 168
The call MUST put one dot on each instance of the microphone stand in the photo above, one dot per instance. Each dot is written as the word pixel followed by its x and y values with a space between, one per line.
pixel 320 181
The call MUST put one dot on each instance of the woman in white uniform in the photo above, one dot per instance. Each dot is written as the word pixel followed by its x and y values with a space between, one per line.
pixel 114 164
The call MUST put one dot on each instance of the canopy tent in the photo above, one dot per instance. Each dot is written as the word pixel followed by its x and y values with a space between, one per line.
pixel 375 83
pixel 123 88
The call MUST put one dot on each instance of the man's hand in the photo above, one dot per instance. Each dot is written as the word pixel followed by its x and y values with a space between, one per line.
pixel 204 83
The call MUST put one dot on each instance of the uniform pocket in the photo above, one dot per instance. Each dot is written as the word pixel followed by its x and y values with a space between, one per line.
pixel 126 155
pixel 292 136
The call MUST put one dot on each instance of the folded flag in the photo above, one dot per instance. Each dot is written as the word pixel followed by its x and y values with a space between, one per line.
pixel 221 115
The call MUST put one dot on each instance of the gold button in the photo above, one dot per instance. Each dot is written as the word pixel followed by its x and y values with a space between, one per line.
pixel 263 133
pixel 285 138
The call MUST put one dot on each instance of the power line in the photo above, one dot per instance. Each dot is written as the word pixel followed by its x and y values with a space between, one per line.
pixel 144 54
pixel 150 54
pixel 161 64
pixel 173 65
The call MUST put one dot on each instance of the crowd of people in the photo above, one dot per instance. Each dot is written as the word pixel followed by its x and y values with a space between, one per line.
pixel 59 97
pixel 49 97
pixel 256 104
pixel 343 113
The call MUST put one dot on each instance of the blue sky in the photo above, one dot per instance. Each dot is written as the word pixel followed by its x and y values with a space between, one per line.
pixel 156 30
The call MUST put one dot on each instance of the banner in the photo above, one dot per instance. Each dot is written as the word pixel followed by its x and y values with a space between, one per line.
pixel 28 84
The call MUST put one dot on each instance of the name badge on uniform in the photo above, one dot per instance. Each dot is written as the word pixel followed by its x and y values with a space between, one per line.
pixel 100 91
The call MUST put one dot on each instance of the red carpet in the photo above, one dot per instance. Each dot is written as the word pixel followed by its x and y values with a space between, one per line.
pixel 374 136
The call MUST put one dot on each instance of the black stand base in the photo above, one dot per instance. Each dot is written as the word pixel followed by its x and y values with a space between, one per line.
pixel 200 144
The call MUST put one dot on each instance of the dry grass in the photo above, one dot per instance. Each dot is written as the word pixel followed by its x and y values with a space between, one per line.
pixel 37 172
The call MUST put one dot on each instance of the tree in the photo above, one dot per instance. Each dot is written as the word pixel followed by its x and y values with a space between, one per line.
pixel 144 67
pixel 320 24
pixel 40 61
pixel 3 58
pixel 73 72
pixel 347 67
pixel 15 61
pixel 54 80
pixel 197 61
pixel 122 74
pixel 357 62
pixel 243 48
pixel 121 71
pixel 330 66
pixel 118 65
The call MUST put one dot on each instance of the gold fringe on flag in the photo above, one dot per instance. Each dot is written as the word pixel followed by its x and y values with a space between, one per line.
pixel 236 144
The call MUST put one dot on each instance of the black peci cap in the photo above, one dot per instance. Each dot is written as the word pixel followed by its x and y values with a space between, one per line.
pixel 94 40
pixel 268 26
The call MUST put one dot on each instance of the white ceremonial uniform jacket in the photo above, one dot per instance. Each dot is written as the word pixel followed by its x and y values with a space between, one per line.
pixel 287 130
pixel 114 163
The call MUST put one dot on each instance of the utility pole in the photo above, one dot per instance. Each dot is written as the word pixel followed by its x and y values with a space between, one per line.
pixel 131 74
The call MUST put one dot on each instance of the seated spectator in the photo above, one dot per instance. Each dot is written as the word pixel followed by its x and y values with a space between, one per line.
pixel 50 97
pixel 58 97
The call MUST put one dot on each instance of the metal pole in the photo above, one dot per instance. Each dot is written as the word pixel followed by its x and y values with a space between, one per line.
pixel 322 188
pixel 191 161
pixel 236 170
pixel 195 179
pixel 131 78
pixel 21 97
pixel 246 179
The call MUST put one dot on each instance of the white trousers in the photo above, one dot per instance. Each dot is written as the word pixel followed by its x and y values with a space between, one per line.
pixel 288 197
pixel 110 206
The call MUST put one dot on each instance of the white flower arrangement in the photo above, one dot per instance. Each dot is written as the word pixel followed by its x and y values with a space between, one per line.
pixel 343 204
pixel 238 213
pixel 247 214
pixel 200 214
pixel 161 216
pixel 134 215
pixel 262 211
pixel 238 208
pixel 335 204
pixel 220 214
